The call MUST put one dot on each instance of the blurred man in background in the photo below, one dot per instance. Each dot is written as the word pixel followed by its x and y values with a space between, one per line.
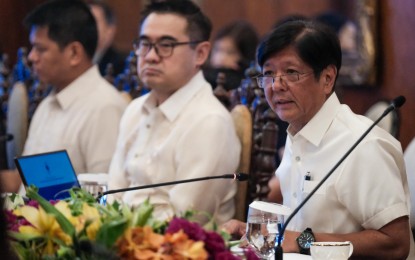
pixel 82 113
pixel 106 53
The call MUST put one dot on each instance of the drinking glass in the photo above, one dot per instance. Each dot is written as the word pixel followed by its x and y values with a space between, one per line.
pixel 94 183
pixel 264 222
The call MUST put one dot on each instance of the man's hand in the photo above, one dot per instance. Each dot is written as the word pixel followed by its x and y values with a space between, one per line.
pixel 289 244
pixel 234 227
pixel 10 180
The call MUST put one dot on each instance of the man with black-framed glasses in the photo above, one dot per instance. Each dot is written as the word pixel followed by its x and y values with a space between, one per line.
pixel 179 130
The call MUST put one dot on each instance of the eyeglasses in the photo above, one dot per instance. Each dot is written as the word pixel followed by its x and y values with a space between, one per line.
pixel 267 81
pixel 164 48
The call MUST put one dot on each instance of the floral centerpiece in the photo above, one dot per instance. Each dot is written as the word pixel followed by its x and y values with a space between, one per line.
pixel 81 228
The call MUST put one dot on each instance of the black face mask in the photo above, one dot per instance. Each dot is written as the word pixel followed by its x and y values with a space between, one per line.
pixel 232 77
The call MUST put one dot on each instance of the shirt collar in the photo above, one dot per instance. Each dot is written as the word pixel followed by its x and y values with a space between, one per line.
pixel 81 86
pixel 172 106
pixel 316 128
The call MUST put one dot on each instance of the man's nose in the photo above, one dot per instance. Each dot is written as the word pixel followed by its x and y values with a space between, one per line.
pixel 152 54
pixel 278 84
pixel 32 56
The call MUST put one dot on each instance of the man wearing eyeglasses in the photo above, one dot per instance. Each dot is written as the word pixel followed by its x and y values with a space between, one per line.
pixel 179 130
pixel 366 199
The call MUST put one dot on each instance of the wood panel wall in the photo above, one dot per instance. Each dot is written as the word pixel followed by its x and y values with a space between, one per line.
pixel 12 32
pixel 397 63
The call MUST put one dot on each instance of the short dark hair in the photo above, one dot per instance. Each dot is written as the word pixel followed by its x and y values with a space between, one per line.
pixel 199 26
pixel 67 21
pixel 317 45
pixel 245 37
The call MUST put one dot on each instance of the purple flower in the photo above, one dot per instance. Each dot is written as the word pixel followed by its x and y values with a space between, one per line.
pixel 214 243
pixel 250 254
pixel 193 230
pixel 14 222
pixel 226 255
pixel 33 203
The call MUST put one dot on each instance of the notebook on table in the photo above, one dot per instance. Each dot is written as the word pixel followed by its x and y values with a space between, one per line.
pixel 51 172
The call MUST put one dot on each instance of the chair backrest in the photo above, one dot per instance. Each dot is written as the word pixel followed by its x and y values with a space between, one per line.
pixel 17 121
pixel 242 119
pixel 390 122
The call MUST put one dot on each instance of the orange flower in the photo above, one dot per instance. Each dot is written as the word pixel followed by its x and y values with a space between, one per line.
pixel 185 247
pixel 143 243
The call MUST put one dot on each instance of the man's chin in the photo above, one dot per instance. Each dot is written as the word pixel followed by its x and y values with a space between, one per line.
pixel 151 83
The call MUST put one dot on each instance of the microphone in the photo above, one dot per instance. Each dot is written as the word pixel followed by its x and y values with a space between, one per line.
pixel 395 103
pixel 235 176
pixel 6 138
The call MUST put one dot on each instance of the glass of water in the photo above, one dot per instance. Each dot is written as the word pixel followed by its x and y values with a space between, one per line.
pixel 94 183
pixel 263 225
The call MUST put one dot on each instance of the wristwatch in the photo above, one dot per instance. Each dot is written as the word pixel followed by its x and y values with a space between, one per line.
pixel 304 241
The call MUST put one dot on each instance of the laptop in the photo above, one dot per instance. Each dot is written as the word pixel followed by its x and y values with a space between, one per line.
pixel 51 172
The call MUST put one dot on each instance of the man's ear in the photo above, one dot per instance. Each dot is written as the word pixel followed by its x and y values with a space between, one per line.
pixel 202 53
pixel 76 53
pixel 329 77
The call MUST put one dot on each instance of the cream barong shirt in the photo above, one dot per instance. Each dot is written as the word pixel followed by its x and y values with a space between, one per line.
pixel 367 191
pixel 190 135
pixel 83 119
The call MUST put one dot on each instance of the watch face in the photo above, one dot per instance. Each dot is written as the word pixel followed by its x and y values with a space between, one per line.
pixel 305 240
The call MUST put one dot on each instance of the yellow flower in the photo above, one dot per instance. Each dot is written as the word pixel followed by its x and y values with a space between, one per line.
pixel 44 225
pixel 89 214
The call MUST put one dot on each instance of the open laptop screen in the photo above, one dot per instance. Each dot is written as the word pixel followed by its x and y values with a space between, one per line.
pixel 51 172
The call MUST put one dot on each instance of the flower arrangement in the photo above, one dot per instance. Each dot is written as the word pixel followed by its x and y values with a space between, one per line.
pixel 81 228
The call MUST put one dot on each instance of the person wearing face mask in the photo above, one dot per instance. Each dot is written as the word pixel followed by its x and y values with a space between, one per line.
pixel 179 130
pixel 233 50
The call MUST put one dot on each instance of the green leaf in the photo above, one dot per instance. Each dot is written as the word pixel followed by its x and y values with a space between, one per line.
pixel 23 237
pixel 13 197
pixel 21 251
pixel 65 252
pixel 64 223
pixel 142 214
pixel 110 231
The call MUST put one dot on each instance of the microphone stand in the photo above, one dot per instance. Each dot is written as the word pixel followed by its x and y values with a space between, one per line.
pixel 235 176
pixel 396 103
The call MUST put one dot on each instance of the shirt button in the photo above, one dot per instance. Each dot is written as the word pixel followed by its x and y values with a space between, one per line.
pixel 297 158
pixel 148 125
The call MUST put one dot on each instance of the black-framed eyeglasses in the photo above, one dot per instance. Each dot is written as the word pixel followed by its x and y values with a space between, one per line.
pixel 267 81
pixel 163 48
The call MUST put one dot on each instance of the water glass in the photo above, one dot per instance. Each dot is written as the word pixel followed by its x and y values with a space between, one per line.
pixel 263 225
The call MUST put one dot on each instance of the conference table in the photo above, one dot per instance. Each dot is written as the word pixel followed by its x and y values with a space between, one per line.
pixel 293 256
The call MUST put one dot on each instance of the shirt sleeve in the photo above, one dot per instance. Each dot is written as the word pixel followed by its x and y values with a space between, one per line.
pixel 117 176
pixel 372 184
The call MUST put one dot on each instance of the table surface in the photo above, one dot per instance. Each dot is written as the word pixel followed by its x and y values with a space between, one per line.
pixel 287 256
pixel 292 256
